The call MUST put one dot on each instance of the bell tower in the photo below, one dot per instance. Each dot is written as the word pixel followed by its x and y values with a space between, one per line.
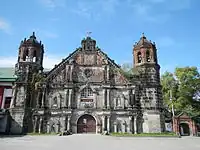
pixel 150 96
pixel 31 53
pixel 30 61
pixel 144 52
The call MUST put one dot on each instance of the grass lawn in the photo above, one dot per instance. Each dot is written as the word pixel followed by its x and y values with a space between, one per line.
pixel 42 134
pixel 145 134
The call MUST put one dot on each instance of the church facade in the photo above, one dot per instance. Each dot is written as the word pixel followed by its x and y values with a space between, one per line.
pixel 87 92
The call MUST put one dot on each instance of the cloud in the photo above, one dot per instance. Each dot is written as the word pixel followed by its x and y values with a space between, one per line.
pixel 51 60
pixel 141 9
pixel 48 62
pixel 95 9
pixel 52 4
pixel 8 61
pixel 83 9
pixel 109 6
pixel 157 11
pixel 5 26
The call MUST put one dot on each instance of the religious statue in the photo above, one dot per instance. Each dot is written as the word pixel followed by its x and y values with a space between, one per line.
pixel 118 101
pixel 55 102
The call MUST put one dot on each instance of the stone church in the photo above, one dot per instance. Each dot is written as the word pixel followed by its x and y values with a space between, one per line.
pixel 87 92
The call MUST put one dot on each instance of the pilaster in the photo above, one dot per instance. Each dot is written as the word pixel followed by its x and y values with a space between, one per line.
pixel 108 123
pixel 135 124
pixel 108 99
pixel 103 123
pixel 68 122
pixel 70 98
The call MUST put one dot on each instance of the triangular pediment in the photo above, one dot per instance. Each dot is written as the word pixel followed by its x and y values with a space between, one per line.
pixel 87 64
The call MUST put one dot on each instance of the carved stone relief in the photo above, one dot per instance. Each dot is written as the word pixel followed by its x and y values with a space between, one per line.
pixel 56 99
pixel 89 59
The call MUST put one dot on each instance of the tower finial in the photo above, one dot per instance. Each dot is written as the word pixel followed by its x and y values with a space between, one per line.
pixel 33 36
pixel 143 34
pixel 88 34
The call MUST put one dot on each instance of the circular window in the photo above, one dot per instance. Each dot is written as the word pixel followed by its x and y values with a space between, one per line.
pixel 88 72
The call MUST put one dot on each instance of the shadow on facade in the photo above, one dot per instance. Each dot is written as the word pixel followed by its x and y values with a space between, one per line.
pixel 8 126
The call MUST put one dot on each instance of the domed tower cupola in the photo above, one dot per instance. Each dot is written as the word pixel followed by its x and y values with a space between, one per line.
pixel 88 44
pixel 144 51
pixel 30 50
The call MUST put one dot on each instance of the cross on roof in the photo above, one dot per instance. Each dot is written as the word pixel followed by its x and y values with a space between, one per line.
pixel 143 34
pixel 88 34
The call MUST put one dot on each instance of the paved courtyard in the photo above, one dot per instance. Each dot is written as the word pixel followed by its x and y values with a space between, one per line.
pixel 98 142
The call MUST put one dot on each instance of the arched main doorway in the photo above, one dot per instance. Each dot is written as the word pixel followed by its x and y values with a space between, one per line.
pixel 86 124
pixel 184 129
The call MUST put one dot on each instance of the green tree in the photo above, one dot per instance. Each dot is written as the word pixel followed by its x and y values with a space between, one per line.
pixel 169 84
pixel 185 87
pixel 127 69
pixel 189 89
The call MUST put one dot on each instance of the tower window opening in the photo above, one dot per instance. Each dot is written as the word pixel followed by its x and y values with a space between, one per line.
pixel 27 58
pixel 148 56
pixel 25 55
pixel 86 92
pixel 34 56
pixel 139 57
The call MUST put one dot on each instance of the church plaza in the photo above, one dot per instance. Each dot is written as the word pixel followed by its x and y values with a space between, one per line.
pixel 98 142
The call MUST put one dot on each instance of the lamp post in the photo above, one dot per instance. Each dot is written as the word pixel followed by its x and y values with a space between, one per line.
pixel 173 115
pixel 171 99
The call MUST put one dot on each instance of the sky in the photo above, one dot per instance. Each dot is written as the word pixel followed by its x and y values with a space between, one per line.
pixel 115 24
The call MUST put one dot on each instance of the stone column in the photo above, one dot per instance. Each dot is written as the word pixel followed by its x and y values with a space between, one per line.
pixel 66 98
pixel 48 127
pixel 58 126
pixel 104 96
pixel 103 123
pixel 130 124
pixel 68 122
pixel 43 98
pixel 107 73
pixel 70 97
pixel 108 123
pixel 40 125
pixel 123 127
pixel 71 71
pixel 62 124
pixel 38 98
pixel 114 101
pixel 35 124
pixel 115 127
pixel 135 124
pixel 108 98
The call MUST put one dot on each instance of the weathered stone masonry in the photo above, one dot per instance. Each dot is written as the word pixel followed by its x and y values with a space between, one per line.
pixel 87 91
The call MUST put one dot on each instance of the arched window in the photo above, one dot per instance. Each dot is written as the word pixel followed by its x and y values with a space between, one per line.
pixel 25 55
pixel 86 92
pixel 148 56
pixel 139 57
pixel 34 56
